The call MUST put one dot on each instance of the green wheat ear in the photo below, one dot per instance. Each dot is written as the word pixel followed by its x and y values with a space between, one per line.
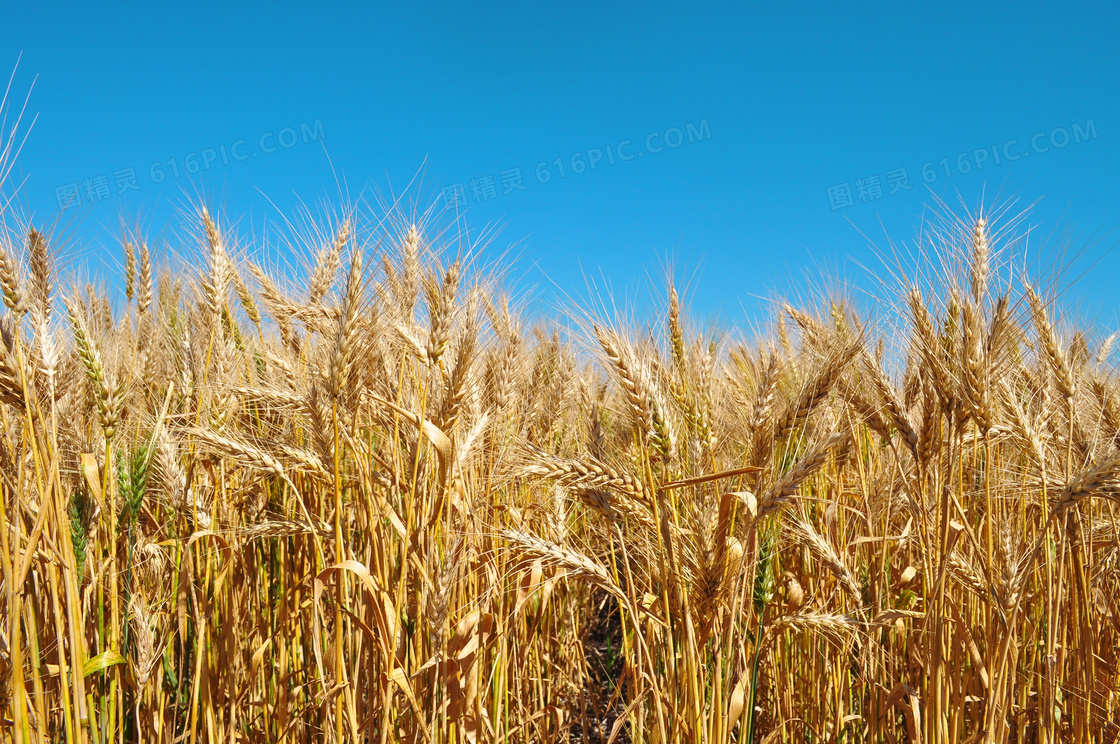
pixel 79 532
pixel 132 480
pixel 764 576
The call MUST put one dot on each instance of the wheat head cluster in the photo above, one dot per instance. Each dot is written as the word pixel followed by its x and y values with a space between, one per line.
pixel 380 500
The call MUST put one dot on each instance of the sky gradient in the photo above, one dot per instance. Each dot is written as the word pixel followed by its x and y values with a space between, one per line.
pixel 748 147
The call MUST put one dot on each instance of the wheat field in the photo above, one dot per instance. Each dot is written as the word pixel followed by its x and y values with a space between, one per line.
pixel 380 500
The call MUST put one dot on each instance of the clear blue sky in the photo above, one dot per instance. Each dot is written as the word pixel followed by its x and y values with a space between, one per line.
pixel 784 103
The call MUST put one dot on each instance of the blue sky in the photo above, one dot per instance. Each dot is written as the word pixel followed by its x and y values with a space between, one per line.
pixel 769 109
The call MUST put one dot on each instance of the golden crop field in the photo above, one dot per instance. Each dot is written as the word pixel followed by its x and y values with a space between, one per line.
pixel 383 502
